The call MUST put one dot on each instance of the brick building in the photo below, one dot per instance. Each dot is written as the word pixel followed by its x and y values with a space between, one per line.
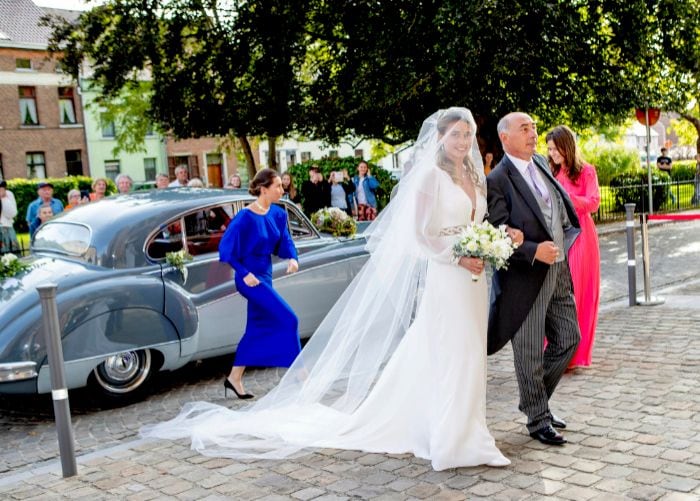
pixel 41 123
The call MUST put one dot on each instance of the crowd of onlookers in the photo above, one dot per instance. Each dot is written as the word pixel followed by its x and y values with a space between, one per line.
pixel 355 195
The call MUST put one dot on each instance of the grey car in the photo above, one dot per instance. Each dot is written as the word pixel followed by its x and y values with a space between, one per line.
pixel 125 313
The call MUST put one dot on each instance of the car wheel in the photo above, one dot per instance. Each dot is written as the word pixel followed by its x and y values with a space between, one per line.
pixel 124 374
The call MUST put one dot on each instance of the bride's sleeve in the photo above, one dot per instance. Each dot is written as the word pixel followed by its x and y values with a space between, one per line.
pixel 431 244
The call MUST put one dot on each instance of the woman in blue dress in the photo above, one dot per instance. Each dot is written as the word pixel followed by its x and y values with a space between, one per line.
pixel 271 337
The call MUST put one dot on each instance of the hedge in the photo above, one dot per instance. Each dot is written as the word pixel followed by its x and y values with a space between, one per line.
pixel 632 187
pixel 25 192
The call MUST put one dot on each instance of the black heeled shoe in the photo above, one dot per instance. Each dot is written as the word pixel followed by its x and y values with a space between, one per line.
pixel 229 386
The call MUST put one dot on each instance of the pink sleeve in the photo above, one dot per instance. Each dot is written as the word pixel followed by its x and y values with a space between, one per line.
pixel 590 200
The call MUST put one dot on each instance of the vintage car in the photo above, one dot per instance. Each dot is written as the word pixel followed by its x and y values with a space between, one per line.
pixel 125 313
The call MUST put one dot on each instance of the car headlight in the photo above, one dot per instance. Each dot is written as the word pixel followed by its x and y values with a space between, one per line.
pixel 17 371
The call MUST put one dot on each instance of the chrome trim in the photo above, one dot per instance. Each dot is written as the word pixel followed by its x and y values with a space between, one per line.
pixel 17 371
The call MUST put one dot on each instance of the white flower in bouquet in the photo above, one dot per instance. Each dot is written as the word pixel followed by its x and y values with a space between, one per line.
pixel 335 221
pixel 484 241
pixel 11 266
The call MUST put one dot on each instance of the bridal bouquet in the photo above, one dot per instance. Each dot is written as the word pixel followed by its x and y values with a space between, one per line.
pixel 487 242
pixel 334 221
pixel 11 266
pixel 178 260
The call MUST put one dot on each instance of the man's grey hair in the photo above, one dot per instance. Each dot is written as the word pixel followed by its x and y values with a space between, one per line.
pixel 181 167
pixel 503 124
pixel 123 176
pixel 160 174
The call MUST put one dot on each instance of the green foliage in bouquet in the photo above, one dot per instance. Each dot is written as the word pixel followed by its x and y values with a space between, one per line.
pixel 11 266
pixel 178 260
pixel 334 221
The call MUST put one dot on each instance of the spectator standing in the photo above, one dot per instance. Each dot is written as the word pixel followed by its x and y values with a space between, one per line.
pixel 290 191
pixel 663 163
pixel 99 189
pixel 341 188
pixel 8 211
pixel 45 212
pixel 181 177
pixel 314 193
pixel 74 199
pixel 235 181
pixel 162 181
pixel 365 192
pixel 124 183
pixel 580 181
pixel 45 193
pixel 488 163
pixel 696 193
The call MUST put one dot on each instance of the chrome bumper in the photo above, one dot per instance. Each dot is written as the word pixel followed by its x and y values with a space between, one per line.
pixel 17 371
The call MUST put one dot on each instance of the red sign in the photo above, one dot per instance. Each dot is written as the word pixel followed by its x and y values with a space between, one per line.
pixel 654 114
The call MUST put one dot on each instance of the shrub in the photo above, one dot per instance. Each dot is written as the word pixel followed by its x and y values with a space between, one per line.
pixel 609 159
pixel 632 187
pixel 24 191
pixel 683 170
pixel 300 173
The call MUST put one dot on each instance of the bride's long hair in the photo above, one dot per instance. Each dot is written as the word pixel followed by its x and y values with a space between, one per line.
pixel 343 359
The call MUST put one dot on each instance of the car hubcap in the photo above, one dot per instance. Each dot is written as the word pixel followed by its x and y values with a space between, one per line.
pixel 124 372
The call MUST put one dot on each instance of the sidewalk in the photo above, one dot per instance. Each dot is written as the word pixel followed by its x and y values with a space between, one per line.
pixel 634 432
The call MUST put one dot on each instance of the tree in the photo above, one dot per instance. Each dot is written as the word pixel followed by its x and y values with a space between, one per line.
pixel 215 68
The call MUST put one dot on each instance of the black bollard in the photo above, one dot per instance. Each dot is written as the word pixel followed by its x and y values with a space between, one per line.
pixel 631 262
pixel 59 392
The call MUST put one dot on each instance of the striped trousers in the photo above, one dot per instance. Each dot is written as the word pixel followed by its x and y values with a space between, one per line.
pixel 538 369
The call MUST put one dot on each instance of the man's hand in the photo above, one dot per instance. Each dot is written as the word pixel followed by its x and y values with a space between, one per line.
pixel 547 252
pixel 251 280
pixel 473 264
pixel 292 266
pixel 515 235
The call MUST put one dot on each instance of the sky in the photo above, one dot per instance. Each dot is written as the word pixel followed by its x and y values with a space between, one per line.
pixel 66 4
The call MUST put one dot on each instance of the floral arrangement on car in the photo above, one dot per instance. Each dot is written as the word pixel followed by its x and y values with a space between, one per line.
pixel 334 221
pixel 10 266
pixel 487 242
pixel 178 259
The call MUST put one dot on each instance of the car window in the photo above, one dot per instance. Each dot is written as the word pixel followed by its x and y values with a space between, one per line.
pixel 298 226
pixel 167 239
pixel 205 227
pixel 66 238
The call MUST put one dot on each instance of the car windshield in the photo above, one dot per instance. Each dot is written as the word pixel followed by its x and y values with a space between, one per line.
pixel 65 238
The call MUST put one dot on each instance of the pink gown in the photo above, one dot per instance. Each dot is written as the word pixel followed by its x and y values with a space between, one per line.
pixel 584 259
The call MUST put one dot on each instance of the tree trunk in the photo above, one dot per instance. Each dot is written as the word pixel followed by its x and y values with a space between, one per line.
pixel 272 152
pixel 248 153
pixel 695 200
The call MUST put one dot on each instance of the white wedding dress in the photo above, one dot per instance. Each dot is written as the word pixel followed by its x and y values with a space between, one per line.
pixel 380 374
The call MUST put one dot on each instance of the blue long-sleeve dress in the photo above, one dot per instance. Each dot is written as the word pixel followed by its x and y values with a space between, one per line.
pixel 271 337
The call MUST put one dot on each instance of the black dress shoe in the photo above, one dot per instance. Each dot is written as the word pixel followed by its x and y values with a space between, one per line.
pixel 549 436
pixel 558 422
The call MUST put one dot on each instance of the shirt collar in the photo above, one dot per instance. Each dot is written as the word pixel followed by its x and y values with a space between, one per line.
pixel 519 163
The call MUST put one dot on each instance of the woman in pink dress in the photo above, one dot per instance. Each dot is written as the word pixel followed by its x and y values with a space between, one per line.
pixel 580 181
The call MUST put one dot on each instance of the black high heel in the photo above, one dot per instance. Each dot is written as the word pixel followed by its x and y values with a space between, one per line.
pixel 229 386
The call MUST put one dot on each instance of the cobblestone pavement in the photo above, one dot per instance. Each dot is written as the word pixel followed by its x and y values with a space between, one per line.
pixel 634 421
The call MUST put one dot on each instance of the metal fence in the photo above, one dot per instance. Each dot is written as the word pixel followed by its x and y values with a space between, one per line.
pixel 667 197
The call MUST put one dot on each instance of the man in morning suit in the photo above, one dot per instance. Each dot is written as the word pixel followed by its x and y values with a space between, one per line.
pixel 533 298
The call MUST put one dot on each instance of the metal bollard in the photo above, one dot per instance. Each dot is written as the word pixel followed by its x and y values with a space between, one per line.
pixel 648 300
pixel 631 262
pixel 59 393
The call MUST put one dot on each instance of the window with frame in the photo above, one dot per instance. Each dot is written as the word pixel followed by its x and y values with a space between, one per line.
pixel 168 239
pixel 205 227
pixel 305 156
pixel 74 162
pixel 27 106
pixel 333 154
pixel 108 128
pixel 66 106
pixel 149 169
pixel 22 63
pixel 359 153
pixel 36 165
pixel 112 169
pixel 298 227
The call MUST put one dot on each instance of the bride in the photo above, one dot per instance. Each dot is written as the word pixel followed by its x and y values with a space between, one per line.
pixel 399 363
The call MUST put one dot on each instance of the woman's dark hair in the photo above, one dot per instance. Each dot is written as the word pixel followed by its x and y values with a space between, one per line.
pixel 565 142
pixel 263 179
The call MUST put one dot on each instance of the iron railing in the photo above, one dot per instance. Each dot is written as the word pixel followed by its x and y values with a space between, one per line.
pixel 670 196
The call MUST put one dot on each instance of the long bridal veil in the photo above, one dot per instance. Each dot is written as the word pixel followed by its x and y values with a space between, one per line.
pixel 343 359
